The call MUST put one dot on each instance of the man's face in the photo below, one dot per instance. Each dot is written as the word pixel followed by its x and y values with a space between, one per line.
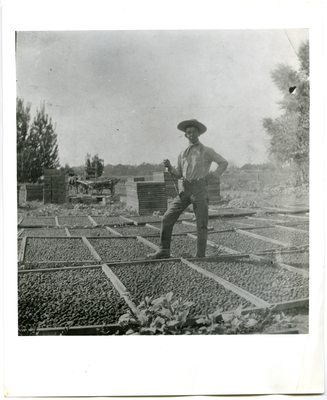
pixel 192 134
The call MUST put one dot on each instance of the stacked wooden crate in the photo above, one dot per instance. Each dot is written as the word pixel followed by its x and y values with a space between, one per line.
pixel 169 182
pixel 214 190
pixel 30 193
pixel 56 189
pixel 146 197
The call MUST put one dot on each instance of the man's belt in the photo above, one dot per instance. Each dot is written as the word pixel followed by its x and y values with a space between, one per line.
pixel 194 180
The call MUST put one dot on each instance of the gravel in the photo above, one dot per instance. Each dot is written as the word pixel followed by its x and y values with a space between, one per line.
pixel 38 221
pixel 135 230
pixel 75 221
pixel 184 246
pixel 272 284
pixel 240 242
pixel 43 232
pixel 124 249
pixel 90 232
pixel 41 249
pixel 109 220
pixel 55 299
pixel 160 278
pixel 291 237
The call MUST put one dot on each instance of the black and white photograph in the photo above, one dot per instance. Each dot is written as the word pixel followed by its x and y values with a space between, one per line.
pixel 135 217
pixel 163 187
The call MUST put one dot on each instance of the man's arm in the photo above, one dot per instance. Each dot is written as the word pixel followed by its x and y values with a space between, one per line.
pixel 173 170
pixel 222 163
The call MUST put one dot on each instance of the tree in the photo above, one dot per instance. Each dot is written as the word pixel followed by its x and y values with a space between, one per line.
pixel 96 163
pixel 67 169
pixel 23 117
pixel 42 142
pixel 290 133
pixel 36 144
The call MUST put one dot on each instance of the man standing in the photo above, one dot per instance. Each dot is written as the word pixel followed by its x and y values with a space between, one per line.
pixel 193 166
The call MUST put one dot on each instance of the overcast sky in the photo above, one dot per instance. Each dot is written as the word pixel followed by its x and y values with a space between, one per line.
pixel 121 94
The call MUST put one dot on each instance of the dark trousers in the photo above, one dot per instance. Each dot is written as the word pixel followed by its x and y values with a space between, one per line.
pixel 195 192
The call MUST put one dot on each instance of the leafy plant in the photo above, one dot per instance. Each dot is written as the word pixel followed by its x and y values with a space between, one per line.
pixel 157 316
pixel 166 316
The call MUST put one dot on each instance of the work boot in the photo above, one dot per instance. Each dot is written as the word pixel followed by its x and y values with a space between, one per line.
pixel 200 256
pixel 162 253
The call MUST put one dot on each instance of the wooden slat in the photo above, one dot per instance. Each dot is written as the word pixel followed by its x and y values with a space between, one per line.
pixel 145 261
pixel 91 248
pixel 147 243
pixel 60 261
pixel 273 250
pixel 142 223
pixel 92 220
pixel 57 221
pixel 67 232
pixel 282 211
pixel 22 249
pixel 79 330
pixel 113 231
pixel 56 237
pixel 36 226
pixel 221 230
pixel 282 251
pixel 253 227
pixel 290 228
pixel 260 259
pixel 305 246
pixel 298 217
pixel 227 285
pixel 113 237
pixel 126 219
pixel 270 220
pixel 119 287
pixel 20 232
pixel 188 223
pixel 290 268
pixel 291 304
pixel 53 237
pixel 219 258
pixel 25 271
pixel 266 239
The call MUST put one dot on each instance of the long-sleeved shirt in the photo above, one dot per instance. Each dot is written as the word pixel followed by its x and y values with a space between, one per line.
pixel 195 162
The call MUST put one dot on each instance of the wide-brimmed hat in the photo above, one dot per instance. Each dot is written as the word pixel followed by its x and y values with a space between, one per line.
pixel 192 122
